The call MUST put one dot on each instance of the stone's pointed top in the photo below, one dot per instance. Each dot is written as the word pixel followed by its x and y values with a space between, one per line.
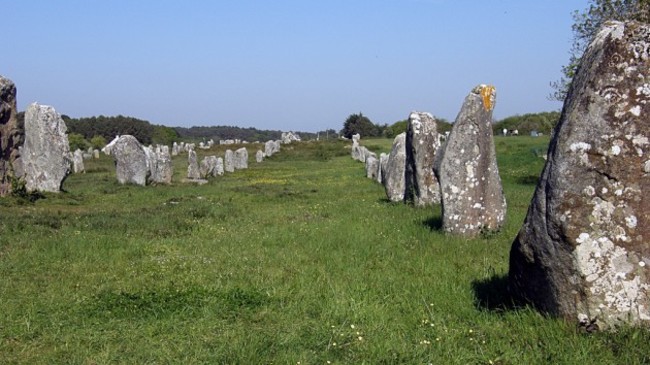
pixel 488 93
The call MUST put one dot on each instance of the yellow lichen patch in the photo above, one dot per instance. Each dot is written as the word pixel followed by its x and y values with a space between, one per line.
pixel 268 181
pixel 487 92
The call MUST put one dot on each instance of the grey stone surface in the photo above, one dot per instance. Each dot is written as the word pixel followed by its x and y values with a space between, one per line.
pixel 208 167
pixel 583 251
pixel 259 156
pixel 395 173
pixel 422 187
pixel 46 156
pixel 271 148
pixel 160 165
pixel 472 195
pixel 218 170
pixel 381 167
pixel 11 135
pixel 240 159
pixel 78 162
pixel 372 167
pixel 288 137
pixel 229 161
pixel 193 171
pixel 131 163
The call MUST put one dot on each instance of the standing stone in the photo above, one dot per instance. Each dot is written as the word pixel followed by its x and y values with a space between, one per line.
pixel 259 156
pixel 11 136
pixel 357 151
pixel 371 167
pixel 78 162
pixel 381 167
pixel 270 148
pixel 472 196
pixel 395 178
pixel 240 159
pixel 46 156
pixel 583 251
pixel 193 171
pixel 95 154
pixel 218 169
pixel 131 165
pixel 175 149
pixel 160 165
pixel 208 166
pixel 229 164
pixel 422 187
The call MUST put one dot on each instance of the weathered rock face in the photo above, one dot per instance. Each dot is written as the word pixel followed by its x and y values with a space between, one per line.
pixel 422 143
pixel 288 137
pixel 160 165
pixel 46 156
pixel 131 166
pixel 208 167
pixel 218 169
pixel 394 176
pixel 371 167
pixel 78 162
pixel 358 152
pixel 472 195
pixel 193 171
pixel 11 135
pixel 259 156
pixel 583 250
pixel 381 167
pixel 271 147
pixel 229 161
pixel 240 159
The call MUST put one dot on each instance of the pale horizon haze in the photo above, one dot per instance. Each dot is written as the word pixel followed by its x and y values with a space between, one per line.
pixel 284 64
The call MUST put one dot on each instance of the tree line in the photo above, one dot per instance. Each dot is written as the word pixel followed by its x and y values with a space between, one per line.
pixel 543 122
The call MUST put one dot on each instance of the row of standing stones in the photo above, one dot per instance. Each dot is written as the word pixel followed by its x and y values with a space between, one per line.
pixel 583 251
pixel 38 154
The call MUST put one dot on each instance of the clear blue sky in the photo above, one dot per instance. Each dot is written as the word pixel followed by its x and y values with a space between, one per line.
pixel 283 64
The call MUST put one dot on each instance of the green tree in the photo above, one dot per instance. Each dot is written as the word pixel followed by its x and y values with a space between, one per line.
pixel 359 123
pixel 164 135
pixel 586 25
pixel 77 141
pixel 98 142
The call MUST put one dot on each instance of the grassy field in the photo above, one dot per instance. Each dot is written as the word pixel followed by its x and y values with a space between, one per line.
pixel 297 260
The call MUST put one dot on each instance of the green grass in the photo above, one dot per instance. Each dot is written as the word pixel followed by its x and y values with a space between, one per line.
pixel 297 259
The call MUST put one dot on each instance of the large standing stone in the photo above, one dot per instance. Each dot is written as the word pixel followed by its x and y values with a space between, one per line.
pixel 583 252
pixel 131 165
pixel 46 156
pixel 271 148
pixel 193 171
pixel 394 177
pixel 259 156
pixel 78 162
pixel 472 195
pixel 160 165
pixel 11 135
pixel 422 187
pixel 228 161
pixel 240 159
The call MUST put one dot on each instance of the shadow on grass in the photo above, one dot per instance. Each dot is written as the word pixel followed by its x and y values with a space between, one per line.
pixel 433 223
pixel 528 180
pixel 492 294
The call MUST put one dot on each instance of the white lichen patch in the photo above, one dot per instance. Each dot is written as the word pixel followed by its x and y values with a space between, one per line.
pixel 589 190
pixel 635 110
pixel 580 147
pixel 646 167
pixel 615 150
pixel 630 221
